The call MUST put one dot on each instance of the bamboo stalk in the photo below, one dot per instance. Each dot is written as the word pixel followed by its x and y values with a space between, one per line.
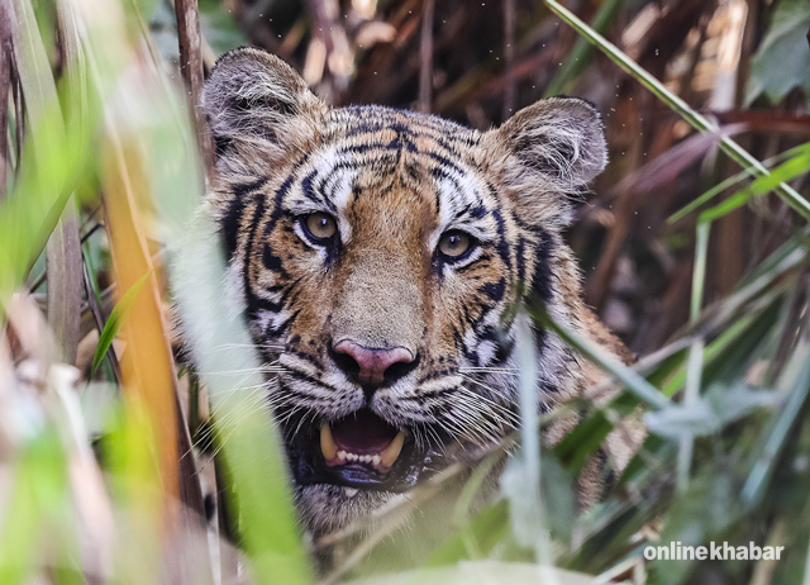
pixel 148 369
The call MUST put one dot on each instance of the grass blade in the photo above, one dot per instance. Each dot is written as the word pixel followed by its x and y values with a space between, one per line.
pixel 733 180
pixel 763 469
pixel 694 118
pixel 250 444
pixel 579 58
pixel 790 169
pixel 118 315
pixel 637 385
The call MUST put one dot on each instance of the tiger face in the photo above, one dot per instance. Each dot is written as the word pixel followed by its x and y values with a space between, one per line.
pixel 379 255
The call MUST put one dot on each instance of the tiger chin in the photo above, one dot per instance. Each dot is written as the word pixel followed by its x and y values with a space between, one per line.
pixel 377 256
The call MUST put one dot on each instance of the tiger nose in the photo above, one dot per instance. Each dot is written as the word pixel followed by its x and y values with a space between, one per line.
pixel 373 366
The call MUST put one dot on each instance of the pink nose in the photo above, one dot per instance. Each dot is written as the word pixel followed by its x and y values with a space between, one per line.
pixel 373 363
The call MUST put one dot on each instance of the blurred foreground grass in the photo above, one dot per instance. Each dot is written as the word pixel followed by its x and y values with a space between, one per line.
pixel 104 177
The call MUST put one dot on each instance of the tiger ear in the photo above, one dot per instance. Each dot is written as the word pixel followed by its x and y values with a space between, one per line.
pixel 253 99
pixel 558 141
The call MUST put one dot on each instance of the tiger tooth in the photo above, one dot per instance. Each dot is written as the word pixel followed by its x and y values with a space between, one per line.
pixel 375 460
pixel 342 455
pixel 389 455
pixel 328 446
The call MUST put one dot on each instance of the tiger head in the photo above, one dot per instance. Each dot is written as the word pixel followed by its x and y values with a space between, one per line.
pixel 379 255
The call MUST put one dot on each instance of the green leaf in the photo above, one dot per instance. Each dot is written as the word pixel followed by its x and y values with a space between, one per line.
pixel 731 181
pixel 782 61
pixel 118 315
pixel 711 414
pixel 797 165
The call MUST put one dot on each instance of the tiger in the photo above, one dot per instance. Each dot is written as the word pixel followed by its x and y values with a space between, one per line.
pixel 378 256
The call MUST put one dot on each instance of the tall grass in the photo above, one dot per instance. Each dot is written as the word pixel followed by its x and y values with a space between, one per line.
pixel 109 139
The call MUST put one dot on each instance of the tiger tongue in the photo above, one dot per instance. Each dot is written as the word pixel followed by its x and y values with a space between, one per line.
pixel 363 432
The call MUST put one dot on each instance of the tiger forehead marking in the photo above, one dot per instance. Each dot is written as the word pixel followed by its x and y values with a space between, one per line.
pixel 378 255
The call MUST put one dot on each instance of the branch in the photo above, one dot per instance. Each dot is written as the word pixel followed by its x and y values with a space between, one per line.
pixel 191 68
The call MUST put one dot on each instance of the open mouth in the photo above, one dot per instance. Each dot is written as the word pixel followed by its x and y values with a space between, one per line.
pixel 361 450
pixel 361 440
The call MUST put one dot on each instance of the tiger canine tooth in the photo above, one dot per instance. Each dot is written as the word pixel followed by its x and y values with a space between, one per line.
pixel 328 446
pixel 389 455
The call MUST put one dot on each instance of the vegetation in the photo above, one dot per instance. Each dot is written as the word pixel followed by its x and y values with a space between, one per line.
pixel 694 244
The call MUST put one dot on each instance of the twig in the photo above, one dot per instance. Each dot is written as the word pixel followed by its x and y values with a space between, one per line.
pixel 510 87
pixel 6 53
pixel 191 68
pixel 64 258
pixel 228 558
pixel 98 317
pixel 426 57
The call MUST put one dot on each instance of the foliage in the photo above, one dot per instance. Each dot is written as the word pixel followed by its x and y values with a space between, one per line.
pixel 771 74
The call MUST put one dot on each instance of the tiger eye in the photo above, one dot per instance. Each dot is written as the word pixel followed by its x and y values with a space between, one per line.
pixel 454 244
pixel 321 226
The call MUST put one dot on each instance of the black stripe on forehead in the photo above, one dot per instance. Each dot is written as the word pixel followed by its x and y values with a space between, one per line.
pixel 469 204
pixel 356 120
pixel 320 183
pixel 404 137
pixel 464 208
pixel 328 183
pixel 358 144
pixel 388 115
pixel 307 190
pixel 443 162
